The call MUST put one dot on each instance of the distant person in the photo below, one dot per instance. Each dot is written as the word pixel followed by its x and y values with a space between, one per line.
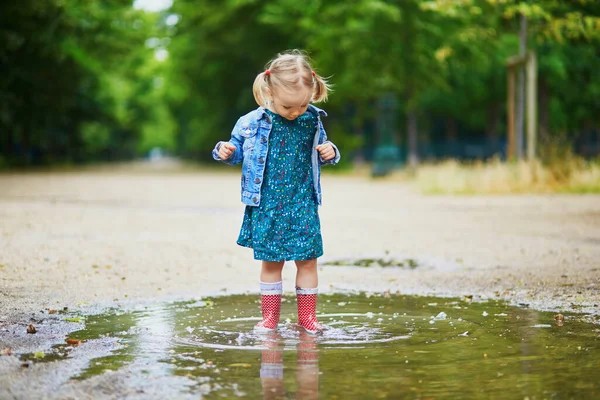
pixel 282 145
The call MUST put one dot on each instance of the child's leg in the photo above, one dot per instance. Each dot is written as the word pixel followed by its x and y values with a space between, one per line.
pixel 306 295
pixel 306 274
pixel 271 289
pixel 270 271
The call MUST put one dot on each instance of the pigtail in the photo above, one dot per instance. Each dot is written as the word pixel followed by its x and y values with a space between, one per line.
pixel 289 70
pixel 258 89
pixel 321 88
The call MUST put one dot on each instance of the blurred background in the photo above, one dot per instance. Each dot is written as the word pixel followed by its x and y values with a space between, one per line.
pixel 416 83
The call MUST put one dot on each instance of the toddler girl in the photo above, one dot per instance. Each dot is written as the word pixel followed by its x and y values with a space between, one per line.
pixel 282 145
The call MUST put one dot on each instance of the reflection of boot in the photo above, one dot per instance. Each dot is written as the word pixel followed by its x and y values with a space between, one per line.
pixel 271 368
pixel 270 301
pixel 307 374
pixel 307 309
pixel 307 350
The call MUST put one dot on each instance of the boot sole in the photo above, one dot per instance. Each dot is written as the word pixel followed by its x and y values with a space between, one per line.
pixel 262 329
pixel 313 333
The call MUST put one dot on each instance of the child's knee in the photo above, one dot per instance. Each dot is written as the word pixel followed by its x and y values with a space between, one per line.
pixel 272 265
pixel 308 264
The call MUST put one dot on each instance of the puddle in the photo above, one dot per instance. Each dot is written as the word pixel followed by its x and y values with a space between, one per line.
pixel 374 262
pixel 382 346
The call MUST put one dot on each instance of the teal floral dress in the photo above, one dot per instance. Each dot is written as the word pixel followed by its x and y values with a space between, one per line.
pixel 286 226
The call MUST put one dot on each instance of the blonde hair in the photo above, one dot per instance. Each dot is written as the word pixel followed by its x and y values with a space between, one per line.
pixel 290 70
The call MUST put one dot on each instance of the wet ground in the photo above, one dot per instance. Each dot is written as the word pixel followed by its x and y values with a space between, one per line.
pixel 74 245
pixel 376 346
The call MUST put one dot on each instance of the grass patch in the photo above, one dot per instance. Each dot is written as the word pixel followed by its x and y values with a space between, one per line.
pixel 571 175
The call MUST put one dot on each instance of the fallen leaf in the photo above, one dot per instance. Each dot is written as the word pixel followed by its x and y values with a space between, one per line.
pixel 39 354
pixel 6 352
pixel 73 319
pixel 73 342
pixel 31 329
pixel 243 365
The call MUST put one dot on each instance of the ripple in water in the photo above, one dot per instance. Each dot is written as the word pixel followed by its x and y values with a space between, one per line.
pixel 347 329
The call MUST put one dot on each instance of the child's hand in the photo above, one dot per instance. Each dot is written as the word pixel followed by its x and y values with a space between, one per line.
pixel 326 151
pixel 226 150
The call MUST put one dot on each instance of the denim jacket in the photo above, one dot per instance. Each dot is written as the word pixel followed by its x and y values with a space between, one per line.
pixel 250 136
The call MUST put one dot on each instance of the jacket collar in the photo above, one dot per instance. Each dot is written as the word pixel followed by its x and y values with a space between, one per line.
pixel 262 113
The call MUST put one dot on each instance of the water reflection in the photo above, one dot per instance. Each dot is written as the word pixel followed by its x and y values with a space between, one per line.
pixel 307 368
pixel 375 346
pixel 307 372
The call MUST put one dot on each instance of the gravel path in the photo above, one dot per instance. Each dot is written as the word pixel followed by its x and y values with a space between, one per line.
pixel 122 235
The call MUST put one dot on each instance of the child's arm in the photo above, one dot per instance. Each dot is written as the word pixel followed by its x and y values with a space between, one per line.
pixel 233 147
pixel 328 153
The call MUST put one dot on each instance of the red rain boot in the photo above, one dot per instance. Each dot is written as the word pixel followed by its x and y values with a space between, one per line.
pixel 271 307
pixel 307 309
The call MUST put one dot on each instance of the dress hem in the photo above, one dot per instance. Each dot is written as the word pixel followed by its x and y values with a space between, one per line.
pixel 303 257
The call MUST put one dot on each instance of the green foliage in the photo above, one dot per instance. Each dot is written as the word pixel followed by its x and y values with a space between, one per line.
pixel 81 80
pixel 95 137
pixel 443 58
pixel 76 80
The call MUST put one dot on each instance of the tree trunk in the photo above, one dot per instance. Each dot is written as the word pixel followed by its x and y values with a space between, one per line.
pixel 544 110
pixel 519 131
pixel 451 130
pixel 451 147
pixel 491 129
pixel 413 151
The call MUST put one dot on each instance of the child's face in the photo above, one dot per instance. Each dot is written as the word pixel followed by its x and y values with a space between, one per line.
pixel 291 105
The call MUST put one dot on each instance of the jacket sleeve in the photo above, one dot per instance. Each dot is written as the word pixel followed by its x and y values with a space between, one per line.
pixel 238 141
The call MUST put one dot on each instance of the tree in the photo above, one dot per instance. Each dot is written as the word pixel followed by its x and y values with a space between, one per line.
pixel 70 75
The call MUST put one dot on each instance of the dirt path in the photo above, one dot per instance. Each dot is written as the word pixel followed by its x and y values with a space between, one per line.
pixel 95 239
pixel 116 236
